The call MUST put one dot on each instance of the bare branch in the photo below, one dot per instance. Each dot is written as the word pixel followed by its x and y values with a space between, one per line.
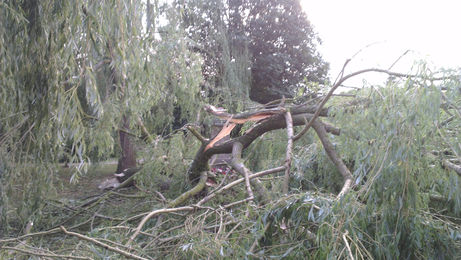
pixel 347 246
pixel 101 244
pixel 232 184
pixel 30 252
pixel 289 152
pixel 172 205
pixel 238 165
pixel 153 214
pixel 329 149
pixel 397 60
pixel 197 134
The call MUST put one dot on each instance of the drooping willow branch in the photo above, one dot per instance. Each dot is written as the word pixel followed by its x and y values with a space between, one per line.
pixel 344 78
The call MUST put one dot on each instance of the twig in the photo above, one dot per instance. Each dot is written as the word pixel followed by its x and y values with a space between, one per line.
pixel 255 243
pixel 41 233
pixel 130 196
pixel 347 246
pixel 341 73
pixel 169 230
pixel 197 134
pixel 101 244
pixel 289 152
pixel 232 184
pixel 133 218
pixel 397 60
pixel 220 227
pixel 233 229
pixel 237 202
pixel 168 239
pixel 344 95
pixel 29 252
pixel 51 231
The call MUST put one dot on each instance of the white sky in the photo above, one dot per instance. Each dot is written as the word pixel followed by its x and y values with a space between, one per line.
pixel 430 29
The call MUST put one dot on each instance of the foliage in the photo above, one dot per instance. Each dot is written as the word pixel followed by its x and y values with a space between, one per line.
pixel 70 71
pixel 166 164
pixel 235 38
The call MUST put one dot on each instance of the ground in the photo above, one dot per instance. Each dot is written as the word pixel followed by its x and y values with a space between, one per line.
pixel 87 184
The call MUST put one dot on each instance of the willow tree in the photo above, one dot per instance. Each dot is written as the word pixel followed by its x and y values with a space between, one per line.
pixel 72 73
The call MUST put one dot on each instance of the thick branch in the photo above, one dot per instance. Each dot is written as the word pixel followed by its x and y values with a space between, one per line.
pixel 329 149
pixel 243 117
pixel 289 123
pixel 186 195
pixel 452 166
pixel 238 165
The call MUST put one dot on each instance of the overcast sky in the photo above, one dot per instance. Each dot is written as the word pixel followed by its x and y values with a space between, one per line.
pixel 430 29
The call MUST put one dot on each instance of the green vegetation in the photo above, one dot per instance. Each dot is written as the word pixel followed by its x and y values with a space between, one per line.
pixel 83 82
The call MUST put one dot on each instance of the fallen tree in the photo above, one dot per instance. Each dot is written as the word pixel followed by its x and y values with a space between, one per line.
pixel 272 116
pixel 202 213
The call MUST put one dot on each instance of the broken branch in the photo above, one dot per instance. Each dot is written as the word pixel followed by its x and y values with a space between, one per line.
pixel 237 164
pixel 329 149
pixel 197 134
pixel 289 122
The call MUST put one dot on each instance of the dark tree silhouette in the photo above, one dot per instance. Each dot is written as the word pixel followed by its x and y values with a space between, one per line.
pixel 274 37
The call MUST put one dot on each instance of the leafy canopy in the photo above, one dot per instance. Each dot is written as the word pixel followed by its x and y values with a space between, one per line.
pixel 269 46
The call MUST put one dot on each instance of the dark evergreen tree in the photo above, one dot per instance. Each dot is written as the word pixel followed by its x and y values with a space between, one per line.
pixel 271 39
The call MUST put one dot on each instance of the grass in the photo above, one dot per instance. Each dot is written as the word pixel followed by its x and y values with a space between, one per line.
pixel 87 184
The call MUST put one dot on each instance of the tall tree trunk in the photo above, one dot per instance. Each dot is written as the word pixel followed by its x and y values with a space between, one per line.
pixel 128 156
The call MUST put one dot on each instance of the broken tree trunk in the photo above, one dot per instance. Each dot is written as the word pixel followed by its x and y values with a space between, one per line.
pixel 267 120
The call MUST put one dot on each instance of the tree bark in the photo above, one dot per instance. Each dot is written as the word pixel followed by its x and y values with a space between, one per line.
pixel 128 157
